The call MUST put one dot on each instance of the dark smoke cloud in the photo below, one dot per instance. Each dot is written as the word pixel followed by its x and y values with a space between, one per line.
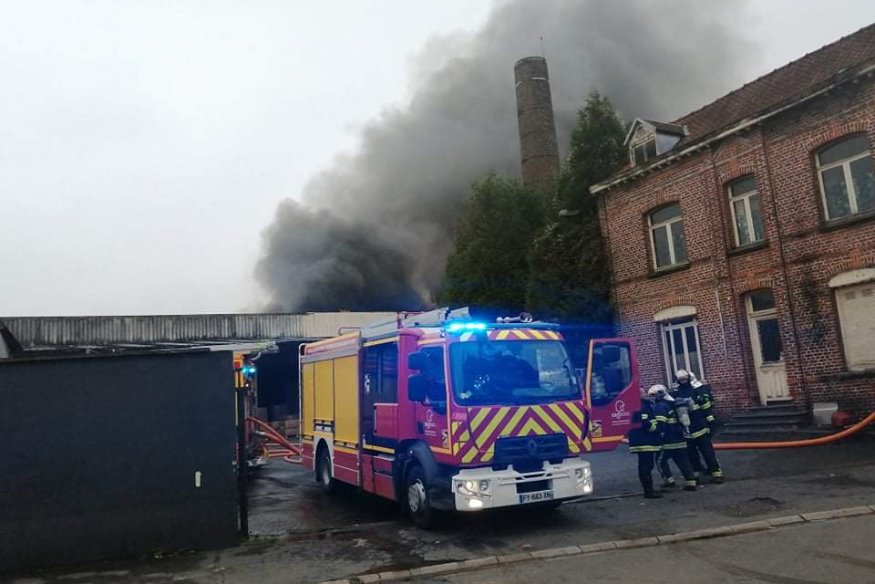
pixel 338 259
pixel 373 231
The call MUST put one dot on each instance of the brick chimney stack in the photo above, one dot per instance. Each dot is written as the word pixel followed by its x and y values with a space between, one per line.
pixel 538 148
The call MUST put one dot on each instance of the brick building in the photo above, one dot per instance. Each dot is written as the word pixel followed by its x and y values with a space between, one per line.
pixel 742 236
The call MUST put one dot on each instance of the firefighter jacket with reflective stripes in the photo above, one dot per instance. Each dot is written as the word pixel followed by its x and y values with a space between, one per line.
pixel 673 433
pixel 701 414
pixel 647 437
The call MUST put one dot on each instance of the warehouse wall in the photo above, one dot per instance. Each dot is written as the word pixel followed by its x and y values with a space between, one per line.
pixel 100 457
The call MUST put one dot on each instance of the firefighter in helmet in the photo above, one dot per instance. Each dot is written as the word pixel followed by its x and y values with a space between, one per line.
pixel 646 440
pixel 674 442
pixel 701 420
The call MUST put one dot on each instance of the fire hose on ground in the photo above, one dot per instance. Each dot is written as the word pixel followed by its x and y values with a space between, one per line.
pixel 798 443
pixel 292 453
pixel 289 453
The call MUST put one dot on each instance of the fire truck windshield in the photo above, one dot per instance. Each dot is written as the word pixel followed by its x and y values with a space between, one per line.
pixel 511 372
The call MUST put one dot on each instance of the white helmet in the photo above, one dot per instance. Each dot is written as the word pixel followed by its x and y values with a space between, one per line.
pixel 659 391
pixel 682 375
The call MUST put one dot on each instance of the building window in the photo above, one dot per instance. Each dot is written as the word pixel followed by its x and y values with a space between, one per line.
pixel 680 339
pixel 847 178
pixel 746 217
pixel 644 152
pixel 667 237
pixel 856 305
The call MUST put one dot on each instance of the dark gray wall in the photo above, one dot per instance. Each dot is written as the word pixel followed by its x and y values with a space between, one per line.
pixel 98 457
pixel 278 379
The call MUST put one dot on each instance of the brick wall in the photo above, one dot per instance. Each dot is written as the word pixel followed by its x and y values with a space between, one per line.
pixel 799 256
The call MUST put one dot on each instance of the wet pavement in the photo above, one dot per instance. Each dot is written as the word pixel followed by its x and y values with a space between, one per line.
pixel 301 535
pixel 285 499
pixel 835 552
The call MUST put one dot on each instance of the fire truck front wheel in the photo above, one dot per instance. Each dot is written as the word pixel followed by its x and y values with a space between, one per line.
pixel 323 471
pixel 418 503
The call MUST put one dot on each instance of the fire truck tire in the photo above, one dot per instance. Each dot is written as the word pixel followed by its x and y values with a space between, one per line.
pixel 416 499
pixel 323 472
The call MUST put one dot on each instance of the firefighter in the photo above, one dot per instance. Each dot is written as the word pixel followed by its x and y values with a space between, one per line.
pixel 674 443
pixel 701 420
pixel 645 440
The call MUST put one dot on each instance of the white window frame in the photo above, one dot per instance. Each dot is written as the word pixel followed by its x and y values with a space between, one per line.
pixel 668 348
pixel 668 225
pixel 748 219
pixel 841 308
pixel 643 144
pixel 849 180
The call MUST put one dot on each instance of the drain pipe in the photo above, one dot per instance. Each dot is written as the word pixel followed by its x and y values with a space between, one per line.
pixel 720 314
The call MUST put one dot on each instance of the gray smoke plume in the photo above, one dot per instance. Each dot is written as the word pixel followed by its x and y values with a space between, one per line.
pixel 373 231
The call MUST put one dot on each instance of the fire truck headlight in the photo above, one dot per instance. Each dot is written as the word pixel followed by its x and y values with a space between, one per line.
pixel 475 504
pixel 484 485
pixel 583 476
pixel 467 487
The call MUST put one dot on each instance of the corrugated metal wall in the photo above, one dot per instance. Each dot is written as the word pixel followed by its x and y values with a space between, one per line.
pixel 111 330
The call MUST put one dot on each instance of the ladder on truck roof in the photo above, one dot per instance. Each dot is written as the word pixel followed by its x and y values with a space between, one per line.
pixel 435 317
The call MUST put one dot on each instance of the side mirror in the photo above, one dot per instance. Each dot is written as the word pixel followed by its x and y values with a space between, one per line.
pixel 417 361
pixel 418 387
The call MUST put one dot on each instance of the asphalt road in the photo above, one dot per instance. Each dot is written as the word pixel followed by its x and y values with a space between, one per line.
pixel 300 535
pixel 835 552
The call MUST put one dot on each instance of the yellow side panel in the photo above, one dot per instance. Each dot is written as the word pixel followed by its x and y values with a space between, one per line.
pixel 325 390
pixel 346 404
pixel 308 398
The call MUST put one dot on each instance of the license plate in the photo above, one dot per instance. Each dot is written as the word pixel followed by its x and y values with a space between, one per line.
pixel 534 497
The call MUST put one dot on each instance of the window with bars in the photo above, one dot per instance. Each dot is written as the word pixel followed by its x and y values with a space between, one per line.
pixel 668 247
pixel 744 202
pixel 847 178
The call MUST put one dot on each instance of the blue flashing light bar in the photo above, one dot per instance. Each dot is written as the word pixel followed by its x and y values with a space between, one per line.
pixel 459 327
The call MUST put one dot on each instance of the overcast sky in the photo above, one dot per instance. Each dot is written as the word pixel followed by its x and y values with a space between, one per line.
pixel 144 146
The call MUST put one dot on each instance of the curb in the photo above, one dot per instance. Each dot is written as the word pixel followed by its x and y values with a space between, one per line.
pixel 623 544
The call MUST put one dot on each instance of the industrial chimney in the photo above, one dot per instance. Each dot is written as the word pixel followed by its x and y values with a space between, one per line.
pixel 538 149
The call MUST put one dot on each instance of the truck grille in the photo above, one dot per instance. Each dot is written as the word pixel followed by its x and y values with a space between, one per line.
pixel 528 451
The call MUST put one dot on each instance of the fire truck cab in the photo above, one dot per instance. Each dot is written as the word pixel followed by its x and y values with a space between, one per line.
pixel 440 411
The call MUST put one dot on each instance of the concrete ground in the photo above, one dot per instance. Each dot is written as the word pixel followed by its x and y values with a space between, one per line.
pixel 300 535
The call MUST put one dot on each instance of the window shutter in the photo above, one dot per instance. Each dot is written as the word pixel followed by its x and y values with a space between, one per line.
pixel 857 315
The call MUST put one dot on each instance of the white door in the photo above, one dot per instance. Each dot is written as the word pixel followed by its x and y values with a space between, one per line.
pixel 768 353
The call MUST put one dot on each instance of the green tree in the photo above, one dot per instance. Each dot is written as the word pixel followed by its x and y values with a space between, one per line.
pixel 569 275
pixel 488 266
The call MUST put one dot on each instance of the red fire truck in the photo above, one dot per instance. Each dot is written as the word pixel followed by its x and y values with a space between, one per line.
pixel 443 412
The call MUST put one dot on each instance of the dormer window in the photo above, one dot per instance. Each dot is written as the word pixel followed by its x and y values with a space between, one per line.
pixel 648 139
pixel 644 152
